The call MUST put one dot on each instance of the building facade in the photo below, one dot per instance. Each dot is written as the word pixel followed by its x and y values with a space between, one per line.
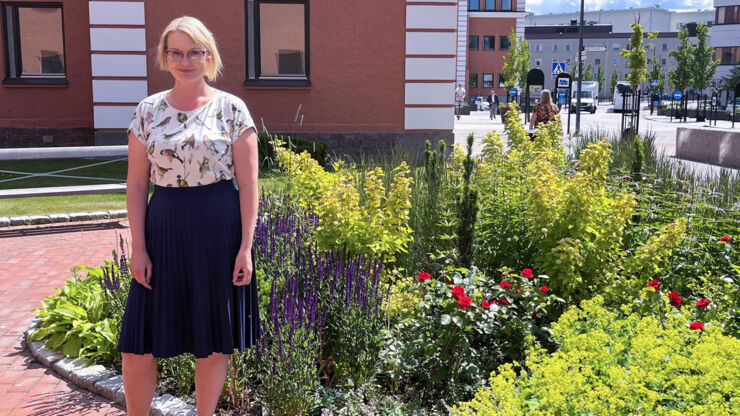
pixel 484 27
pixel 652 19
pixel 550 45
pixel 725 36
pixel 361 76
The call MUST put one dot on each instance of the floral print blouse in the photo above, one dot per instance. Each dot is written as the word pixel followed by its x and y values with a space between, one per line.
pixel 190 148
pixel 545 112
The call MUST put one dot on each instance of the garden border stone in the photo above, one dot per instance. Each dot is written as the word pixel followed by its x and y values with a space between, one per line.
pixel 60 218
pixel 99 380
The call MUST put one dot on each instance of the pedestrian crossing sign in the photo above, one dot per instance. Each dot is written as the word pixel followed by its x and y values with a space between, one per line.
pixel 558 68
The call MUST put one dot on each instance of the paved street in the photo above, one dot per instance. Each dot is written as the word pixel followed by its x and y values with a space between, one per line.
pixel 603 120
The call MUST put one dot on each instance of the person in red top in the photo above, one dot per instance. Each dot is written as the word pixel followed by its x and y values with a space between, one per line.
pixel 544 112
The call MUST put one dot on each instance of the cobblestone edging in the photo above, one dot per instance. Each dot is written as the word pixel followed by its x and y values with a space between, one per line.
pixel 99 380
pixel 59 218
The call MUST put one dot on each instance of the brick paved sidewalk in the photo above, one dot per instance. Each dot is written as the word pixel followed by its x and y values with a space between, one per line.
pixel 34 261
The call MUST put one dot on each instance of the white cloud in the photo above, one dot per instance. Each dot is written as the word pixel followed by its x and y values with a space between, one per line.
pixel 542 7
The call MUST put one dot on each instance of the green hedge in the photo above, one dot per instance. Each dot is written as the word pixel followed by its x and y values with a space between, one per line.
pixel 317 149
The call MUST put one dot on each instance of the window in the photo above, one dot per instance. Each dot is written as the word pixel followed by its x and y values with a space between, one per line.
pixel 506 5
pixel 489 43
pixel 33 56
pixel 473 43
pixel 504 43
pixel 538 62
pixel 662 61
pixel 567 47
pixel 474 5
pixel 628 46
pixel 490 4
pixel 472 80
pixel 487 80
pixel 615 46
pixel 599 45
pixel 554 47
pixel 727 55
pixel 615 61
pixel 538 47
pixel 664 47
pixel 501 81
pixel 727 15
pixel 597 61
pixel 626 62
pixel 277 42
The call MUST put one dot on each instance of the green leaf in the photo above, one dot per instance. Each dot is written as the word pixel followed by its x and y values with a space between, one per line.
pixel 445 320
pixel 71 348
pixel 71 311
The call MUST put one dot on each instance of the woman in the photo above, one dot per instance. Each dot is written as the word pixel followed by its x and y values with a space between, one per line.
pixel 544 112
pixel 194 286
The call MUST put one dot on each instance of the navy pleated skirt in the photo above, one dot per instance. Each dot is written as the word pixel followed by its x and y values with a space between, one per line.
pixel 192 237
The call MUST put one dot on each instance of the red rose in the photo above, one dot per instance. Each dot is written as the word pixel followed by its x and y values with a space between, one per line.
pixel 464 302
pixel 702 303
pixel 518 288
pixel 527 273
pixel 654 284
pixel 627 178
pixel 544 289
pixel 675 299
pixel 534 315
pixel 486 305
pixel 725 238
pixel 423 276
pixel 504 302
pixel 505 285
pixel 494 302
pixel 696 325
pixel 458 292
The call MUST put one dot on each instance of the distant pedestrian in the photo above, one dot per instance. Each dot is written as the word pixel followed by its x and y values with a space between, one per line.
pixel 544 112
pixel 459 99
pixel 493 104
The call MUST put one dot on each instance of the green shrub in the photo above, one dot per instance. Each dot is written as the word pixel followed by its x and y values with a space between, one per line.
pixel 316 148
pixel 619 363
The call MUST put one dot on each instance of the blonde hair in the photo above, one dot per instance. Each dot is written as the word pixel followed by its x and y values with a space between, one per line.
pixel 200 34
pixel 545 97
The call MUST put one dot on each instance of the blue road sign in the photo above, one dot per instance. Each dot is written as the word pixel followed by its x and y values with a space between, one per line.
pixel 561 97
pixel 563 82
pixel 714 100
pixel 654 83
pixel 558 68
pixel 512 92
pixel 656 102
pixel 677 95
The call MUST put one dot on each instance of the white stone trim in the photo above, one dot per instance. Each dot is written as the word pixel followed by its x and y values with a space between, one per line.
pixel 462 42
pixel 114 39
pixel 440 118
pixel 430 68
pixel 429 92
pixel 117 13
pixel 430 43
pixel 115 91
pixel 430 17
pixel 118 65
pixel 112 116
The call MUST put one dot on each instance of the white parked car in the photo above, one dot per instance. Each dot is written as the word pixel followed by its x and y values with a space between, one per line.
pixel 481 103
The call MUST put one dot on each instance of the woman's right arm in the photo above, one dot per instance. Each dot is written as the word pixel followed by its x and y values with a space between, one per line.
pixel 137 192
pixel 533 119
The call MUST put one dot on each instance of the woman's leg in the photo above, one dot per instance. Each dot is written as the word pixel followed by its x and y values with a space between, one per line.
pixel 139 382
pixel 210 375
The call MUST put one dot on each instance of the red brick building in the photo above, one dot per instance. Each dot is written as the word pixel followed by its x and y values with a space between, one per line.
pixel 365 75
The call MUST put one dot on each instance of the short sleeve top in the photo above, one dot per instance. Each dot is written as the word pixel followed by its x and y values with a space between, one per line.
pixel 190 148
pixel 545 112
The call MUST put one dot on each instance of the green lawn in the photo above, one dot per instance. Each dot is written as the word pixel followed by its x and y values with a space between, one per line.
pixel 114 172
pixel 46 205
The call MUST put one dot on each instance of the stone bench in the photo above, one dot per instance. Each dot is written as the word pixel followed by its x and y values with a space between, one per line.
pixel 710 145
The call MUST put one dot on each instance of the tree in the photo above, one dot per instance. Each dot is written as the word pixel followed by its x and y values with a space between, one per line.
pixel 682 76
pixel 704 67
pixel 656 74
pixel 614 80
pixel 600 77
pixel 522 63
pixel 511 63
pixel 636 56
pixel 728 82
pixel 588 73
pixel 574 73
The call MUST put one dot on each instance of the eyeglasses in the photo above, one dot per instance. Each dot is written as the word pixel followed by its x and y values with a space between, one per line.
pixel 193 56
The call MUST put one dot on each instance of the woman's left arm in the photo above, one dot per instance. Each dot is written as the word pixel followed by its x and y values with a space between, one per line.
pixel 244 153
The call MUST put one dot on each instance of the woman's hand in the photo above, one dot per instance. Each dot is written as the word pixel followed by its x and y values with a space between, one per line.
pixel 141 268
pixel 243 268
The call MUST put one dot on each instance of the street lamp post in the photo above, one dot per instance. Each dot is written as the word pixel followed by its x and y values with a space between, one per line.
pixel 580 73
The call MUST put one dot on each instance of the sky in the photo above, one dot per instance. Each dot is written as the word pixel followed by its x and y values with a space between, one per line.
pixel 573 6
